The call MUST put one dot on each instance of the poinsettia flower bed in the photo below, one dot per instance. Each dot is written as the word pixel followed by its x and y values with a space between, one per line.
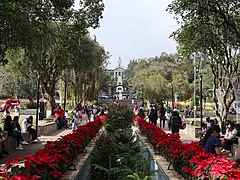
pixel 189 159
pixel 56 156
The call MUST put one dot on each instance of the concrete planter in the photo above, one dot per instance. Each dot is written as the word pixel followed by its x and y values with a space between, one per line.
pixel 45 129
pixel 192 131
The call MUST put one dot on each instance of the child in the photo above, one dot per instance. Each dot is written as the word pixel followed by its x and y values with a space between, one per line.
pixel 203 130
pixel 66 118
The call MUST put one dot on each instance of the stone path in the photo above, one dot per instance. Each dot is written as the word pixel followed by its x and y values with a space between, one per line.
pixel 33 147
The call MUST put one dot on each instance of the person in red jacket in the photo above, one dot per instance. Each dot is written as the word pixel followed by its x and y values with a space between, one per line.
pixel 59 115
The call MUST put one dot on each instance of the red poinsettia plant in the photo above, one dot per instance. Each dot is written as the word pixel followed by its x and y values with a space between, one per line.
pixel 55 158
pixel 190 159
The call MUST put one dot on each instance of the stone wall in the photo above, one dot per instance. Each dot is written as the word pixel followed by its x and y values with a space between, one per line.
pixel 45 129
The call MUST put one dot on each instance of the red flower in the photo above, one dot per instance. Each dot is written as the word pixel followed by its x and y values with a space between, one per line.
pixel 27 177
pixel 56 154
pixel 192 157
pixel 10 162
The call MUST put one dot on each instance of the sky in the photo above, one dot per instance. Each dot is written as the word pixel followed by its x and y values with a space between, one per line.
pixel 133 29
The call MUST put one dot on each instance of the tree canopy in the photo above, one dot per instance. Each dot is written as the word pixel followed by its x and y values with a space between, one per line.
pixel 50 39
pixel 210 31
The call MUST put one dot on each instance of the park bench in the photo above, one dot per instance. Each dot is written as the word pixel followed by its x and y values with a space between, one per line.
pixel 42 130
pixel 11 142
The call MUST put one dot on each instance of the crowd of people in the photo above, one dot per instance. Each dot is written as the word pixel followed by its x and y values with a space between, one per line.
pixel 211 136
pixel 80 115
pixel 155 113
pixel 212 139
pixel 14 130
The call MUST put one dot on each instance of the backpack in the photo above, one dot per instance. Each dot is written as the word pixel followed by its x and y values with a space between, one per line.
pixel 175 121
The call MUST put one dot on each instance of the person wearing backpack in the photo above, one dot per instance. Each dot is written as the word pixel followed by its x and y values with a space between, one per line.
pixel 153 116
pixel 175 121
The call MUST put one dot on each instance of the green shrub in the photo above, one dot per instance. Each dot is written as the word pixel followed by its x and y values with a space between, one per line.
pixel 118 153
pixel 31 105
pixel 197 102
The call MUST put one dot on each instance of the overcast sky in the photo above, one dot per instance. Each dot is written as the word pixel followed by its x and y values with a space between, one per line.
pixel 133 29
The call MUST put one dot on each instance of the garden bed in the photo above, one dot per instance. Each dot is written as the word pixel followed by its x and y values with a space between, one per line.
pixel 190 160
pixel 55 158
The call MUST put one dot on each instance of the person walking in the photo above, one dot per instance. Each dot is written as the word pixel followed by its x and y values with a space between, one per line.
pixel 175 121
pixel 153 115
pixel 59 115
pixel 162 114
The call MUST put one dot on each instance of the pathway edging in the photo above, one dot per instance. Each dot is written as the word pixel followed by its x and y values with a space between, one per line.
pixel 171 174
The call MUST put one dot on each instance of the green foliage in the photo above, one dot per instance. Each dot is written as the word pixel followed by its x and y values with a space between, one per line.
pixel 117 153
pixel 19 27
pixel 156 75
pixel 49 119
pixel 119 118
pixel 49 42
pixel 197 102
pixel 31 105
pixel 210 31
pixel 135 176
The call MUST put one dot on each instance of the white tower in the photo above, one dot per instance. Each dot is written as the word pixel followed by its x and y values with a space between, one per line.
pixel 118 73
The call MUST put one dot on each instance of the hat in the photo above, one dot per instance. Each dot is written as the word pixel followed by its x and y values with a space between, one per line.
pixel 175 110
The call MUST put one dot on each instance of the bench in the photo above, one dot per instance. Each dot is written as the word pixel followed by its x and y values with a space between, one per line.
pixel 44 129
pixel 11 142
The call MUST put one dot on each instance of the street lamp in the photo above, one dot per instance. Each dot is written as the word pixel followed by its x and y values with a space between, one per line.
pixel 38 96
pixel 201 100
pixel 65 92
pixel 143 94
pixel 172 96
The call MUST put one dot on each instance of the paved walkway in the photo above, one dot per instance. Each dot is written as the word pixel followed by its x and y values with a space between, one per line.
pixel 33 147
pixel 183 136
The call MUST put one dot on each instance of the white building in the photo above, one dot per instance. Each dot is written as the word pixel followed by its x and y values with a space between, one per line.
pixel 118 74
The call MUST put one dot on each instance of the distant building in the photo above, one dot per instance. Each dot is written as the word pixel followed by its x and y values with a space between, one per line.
pixel 117 90
pixel 118 74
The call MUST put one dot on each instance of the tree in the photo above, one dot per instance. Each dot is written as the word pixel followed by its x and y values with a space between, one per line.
pixel 210 29
pixel 21 21
pixel 20 80
pixel 46 31
pixel 182 87
pixel 157 74
pixel 88 67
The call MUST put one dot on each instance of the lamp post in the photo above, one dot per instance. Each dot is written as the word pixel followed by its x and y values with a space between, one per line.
pixel 65 92
pixel 143 94
pixel 172 96
pixel 201 101
pixel 38 96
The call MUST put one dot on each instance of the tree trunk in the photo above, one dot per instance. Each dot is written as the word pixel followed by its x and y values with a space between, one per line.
pixel 223 93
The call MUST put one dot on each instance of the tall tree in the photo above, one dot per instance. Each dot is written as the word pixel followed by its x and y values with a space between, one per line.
pixel 210 29
pixel 45 34
pixel 20 21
